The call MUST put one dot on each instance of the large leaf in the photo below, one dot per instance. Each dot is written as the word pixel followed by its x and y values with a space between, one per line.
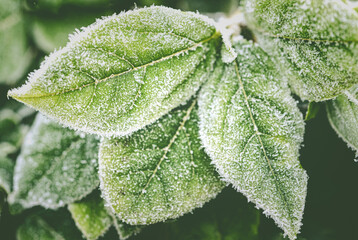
pixel 252 129
pixel 6 173
pixel 343 116
pixel 15 53
pixel 159 172
pixel 91 216
pixel 56 166
pixel 125 71
pixel 315 42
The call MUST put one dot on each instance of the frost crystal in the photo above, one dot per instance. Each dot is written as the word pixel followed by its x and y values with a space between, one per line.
pixel 160 172
pixel 252 129
pixel 316 43
pixel 124 71
pixel 342 115
pixel 49 170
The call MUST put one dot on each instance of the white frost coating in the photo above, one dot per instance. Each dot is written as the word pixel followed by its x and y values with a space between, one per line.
pixel 124 71
pixel 252 130
pixel 342 115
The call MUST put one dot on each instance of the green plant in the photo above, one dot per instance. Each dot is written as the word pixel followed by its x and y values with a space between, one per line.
pixel 184 105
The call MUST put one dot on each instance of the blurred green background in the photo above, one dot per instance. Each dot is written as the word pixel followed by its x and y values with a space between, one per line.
pixel 31 29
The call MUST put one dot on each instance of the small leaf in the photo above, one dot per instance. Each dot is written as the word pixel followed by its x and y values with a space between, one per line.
pixel 51 33
pixel 342 115
pixel 56 166
pixel 6 172
pixel 124 71
pixel 91 216
pixel 160 172
pixel 48 225
pixel 125 230
pixel 313 109
pixel 314 41
pixel 252 129
pixel 15 52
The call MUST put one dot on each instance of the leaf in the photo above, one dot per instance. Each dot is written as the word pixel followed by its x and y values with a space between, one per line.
pixel 158 173
pixel 313 109
pixel 342 115
pixel 314 41
pixel 91 216
pixel 6 173
pixel 56 166
pixel 124 71
pixel 13 40
pixel 51 33
pixel 252 130
pixel 48 225
pixel 124 230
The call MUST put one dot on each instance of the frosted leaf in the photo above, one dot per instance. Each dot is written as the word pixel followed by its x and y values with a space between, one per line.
pixel 342 115
pixel 6 172
pixel 56 166
pixel 15 53
pixel 51 33
pixel 160 172
pixel 312 110
pixel 124 71
pixel 315 43
pixel 252 129
pixel 125 230
pixel 48 225
pixel 91 216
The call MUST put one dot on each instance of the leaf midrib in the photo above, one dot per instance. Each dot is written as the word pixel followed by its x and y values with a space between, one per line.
pixel 183 51
pixel 258 133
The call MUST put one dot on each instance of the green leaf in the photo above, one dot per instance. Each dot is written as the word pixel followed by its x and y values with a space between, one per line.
pixel 6 173
pixel 51 33
pixel 48 225
pixel 252 129
pixel 56 166
pixel 91 216
pixel 160 172
pixel 313 109
pixel 125 71
pixel 15 52
pixel 125 230
pixel 342 115
pixel 314 41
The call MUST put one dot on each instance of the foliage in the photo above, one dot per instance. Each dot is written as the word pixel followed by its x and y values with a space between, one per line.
pixel 147 114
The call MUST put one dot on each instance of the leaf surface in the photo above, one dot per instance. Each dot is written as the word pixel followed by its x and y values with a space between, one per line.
pixel 160 172
pixel 15 53
pixel 56 166
pixel 124 71
pixel 252 129
pixel 91 216
pixel 316 43
pixel 343 116
pixel 6 173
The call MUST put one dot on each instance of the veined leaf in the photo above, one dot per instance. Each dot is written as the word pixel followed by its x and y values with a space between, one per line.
pixel 91 216
pixel 160 172
pixel 343 116
pixel 316 43
pixel 6 172
pixel 252 129
pixel 56 166
pixel 15 53
pixel 124 71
